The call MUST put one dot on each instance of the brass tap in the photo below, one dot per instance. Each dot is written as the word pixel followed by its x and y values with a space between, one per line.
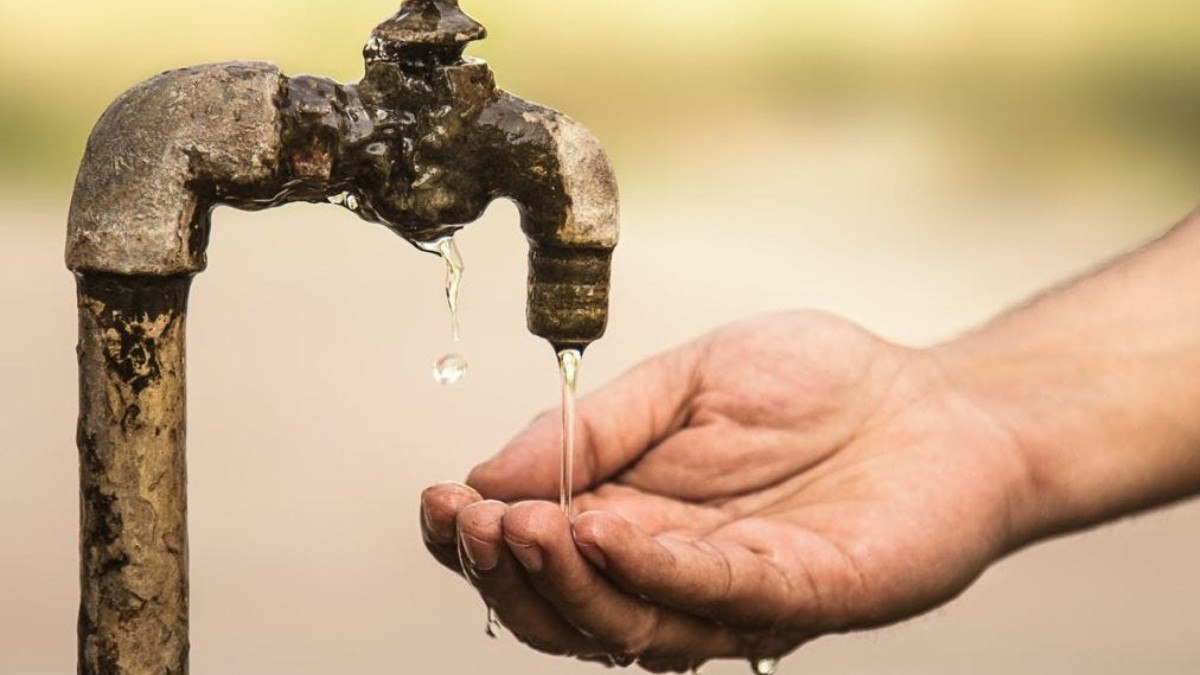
pixel 423 143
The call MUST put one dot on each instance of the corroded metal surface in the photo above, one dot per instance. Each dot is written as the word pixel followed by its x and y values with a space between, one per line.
pixel 424 143
pixel 133 582
pixel 439 22
pixel 421 145
pixel 136 207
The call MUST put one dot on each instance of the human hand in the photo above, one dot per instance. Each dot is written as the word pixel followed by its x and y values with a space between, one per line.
pixel 774 481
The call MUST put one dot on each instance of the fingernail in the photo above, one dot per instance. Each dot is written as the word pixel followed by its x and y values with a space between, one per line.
pixel 437 535
pixel 589 549
pixel 481 555
pixel 529 555
pixel 593 554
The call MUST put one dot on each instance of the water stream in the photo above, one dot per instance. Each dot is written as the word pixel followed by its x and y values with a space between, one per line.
pixel 568 368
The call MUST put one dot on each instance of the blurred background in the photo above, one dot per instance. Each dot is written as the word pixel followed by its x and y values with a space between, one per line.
pixel 915 165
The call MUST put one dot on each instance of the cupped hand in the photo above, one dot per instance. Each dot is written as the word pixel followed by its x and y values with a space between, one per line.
pixel 777 480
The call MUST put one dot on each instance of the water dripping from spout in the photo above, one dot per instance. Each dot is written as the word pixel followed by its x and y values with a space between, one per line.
pixel 451 368
pixel 568 368
pixel 447 248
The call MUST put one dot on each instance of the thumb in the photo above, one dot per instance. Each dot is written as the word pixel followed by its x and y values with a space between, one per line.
pixel 615 426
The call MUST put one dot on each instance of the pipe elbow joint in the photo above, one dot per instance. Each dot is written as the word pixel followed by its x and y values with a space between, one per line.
pixel 162 156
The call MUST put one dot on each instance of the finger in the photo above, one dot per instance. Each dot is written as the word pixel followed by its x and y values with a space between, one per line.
pixel 440 506
pixel 678 665
pixel 719 577
pixel 539 537
pixel 616 425
pixel 492 570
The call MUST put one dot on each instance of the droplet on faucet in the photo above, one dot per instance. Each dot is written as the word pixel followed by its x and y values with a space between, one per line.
pixel 345 199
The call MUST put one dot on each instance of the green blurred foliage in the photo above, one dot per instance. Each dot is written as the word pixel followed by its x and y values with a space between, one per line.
pixel 1085 82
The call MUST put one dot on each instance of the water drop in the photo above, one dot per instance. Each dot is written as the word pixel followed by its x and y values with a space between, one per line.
pixel 450 369
pixel 764 666
pixel 345 199
pixel 493 624
pixel 568 368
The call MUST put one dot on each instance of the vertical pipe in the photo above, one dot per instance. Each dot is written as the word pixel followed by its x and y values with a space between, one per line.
pixel 133 615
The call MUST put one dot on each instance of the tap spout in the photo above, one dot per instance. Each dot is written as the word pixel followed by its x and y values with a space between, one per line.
pixel 564 185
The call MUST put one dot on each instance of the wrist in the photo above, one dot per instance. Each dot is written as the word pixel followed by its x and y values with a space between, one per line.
pixel 994 386
pixel 1102 419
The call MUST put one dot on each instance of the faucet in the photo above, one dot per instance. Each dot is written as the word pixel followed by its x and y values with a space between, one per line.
pixel 421 146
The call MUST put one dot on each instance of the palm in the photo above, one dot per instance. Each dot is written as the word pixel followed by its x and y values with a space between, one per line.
pixel 790 477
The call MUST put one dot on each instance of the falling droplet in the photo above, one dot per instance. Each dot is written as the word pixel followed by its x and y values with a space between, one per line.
pixel 450 369
pixel 568 367
pixel 493 624
pixel 764 666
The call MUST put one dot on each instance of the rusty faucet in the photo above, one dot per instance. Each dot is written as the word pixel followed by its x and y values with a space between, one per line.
pixel 421 145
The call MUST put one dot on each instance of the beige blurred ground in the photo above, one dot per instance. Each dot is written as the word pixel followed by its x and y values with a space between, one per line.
pixel 314 423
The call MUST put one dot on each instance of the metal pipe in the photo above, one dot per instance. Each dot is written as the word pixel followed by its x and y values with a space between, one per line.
pixel 421 145
pixel 133 580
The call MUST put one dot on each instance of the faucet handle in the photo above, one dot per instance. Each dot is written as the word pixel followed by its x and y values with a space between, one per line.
pixel 429 24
